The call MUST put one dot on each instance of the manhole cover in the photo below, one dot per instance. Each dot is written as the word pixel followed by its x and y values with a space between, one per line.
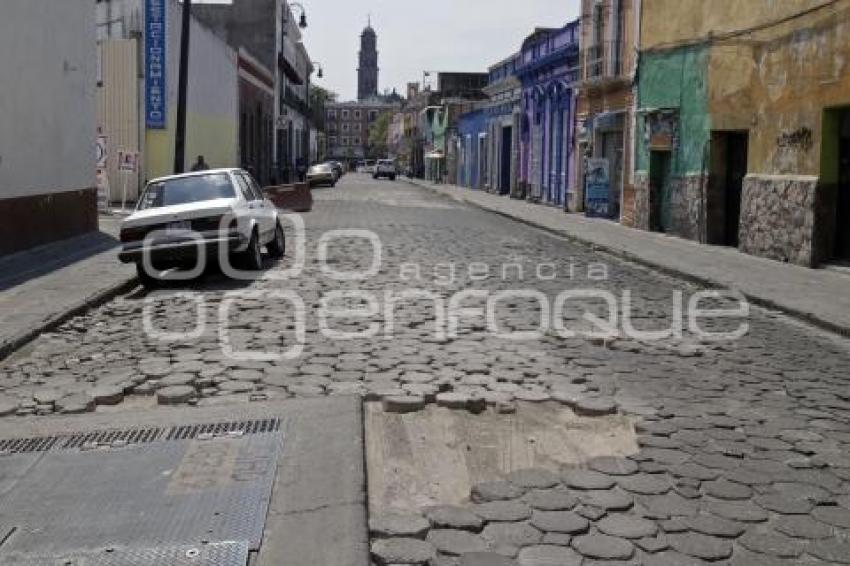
pixel 180 497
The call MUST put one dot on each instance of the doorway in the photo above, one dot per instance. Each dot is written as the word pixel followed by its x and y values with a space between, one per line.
pixel 659 190
pixel 505 173
pixel 842 205
pixel 729 152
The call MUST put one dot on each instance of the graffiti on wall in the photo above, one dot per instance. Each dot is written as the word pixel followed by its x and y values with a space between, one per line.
pixel 800 139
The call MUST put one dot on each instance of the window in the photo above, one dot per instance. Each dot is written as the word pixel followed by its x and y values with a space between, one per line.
pixel 245 188
pixel 345 127
pixel 345 114
pixel 373 115
pixel 332 140
pixel 331 114
pixel 357 114
pixel 252 185
pixel 195 188
pixel 344 141
pixel 356 141
pixel 358 127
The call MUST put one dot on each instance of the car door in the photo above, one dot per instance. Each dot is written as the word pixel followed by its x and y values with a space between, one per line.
pixel 245 208
pixel 261 209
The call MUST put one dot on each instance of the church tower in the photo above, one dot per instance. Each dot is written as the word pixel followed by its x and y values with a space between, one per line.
pixel 367 74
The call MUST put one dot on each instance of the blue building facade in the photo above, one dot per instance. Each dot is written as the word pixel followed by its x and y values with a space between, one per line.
pixel 503 117
pixel 472 149
pixel 548 69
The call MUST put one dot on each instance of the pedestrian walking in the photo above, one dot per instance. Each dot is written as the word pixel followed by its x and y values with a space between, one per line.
pixel 200 164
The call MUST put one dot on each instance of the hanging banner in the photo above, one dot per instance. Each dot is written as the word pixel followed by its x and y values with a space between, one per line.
pixel 156 40
pixel 597 189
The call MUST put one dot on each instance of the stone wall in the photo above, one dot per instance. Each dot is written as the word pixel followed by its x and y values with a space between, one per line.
pixel 686 206
pixel 778 218
pixel 640 218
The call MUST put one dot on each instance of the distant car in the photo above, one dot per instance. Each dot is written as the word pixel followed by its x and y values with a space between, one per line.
pixel 369 166
pixel 338 167
pixel 321 174
pixel 180 216
pixel 385 168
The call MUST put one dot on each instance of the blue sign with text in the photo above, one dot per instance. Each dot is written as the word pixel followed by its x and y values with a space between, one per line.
pixel 156 40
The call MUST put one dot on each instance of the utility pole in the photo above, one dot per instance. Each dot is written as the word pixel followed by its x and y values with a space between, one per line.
pixel 182 88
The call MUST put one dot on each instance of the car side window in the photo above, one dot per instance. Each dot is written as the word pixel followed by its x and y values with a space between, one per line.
pixel 244 188
pixel 254 185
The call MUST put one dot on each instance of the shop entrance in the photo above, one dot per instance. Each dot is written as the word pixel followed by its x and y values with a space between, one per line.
pixel 659 191
pixel 723 201
pixel 505 161
pixel 842 209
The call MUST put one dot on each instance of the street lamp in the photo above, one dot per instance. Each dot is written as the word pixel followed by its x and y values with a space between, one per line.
pixel 321 73
pixel 302 21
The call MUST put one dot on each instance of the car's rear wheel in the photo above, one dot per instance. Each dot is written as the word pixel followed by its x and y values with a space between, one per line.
pixel 147 279
pixel 392 177
pixel 277 247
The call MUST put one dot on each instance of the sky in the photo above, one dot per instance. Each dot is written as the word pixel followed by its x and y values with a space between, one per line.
pixel 421 35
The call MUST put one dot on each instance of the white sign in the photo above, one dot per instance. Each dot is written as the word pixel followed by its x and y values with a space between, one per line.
pixel 100 152
pixel 128 161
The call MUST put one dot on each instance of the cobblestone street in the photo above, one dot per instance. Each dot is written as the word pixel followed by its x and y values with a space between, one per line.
pixel 744 444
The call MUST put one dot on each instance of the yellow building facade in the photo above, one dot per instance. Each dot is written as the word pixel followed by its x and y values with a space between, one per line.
pixel 744 120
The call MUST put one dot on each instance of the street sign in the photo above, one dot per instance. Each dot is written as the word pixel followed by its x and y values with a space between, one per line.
pixel 100 152
pixel 156 63
pixel 128 161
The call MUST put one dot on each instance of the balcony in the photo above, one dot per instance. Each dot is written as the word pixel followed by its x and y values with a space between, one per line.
pixel 603 63
pixel 295 102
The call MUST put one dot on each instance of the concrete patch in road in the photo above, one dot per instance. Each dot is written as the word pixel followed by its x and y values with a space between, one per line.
pixel 436 455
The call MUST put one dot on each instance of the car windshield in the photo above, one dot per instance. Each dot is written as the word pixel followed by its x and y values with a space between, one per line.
pixel 320 168
pixel 184 190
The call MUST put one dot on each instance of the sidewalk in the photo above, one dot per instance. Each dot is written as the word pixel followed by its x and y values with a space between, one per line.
pixel 43 286
pixel 814 295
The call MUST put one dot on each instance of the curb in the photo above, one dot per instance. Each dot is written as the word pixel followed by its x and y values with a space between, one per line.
pixel 667 270
pixel 10 346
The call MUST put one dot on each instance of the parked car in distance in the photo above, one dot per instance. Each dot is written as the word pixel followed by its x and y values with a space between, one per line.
pixel 321 174
pixel 369 166
pixel 385 168
pixel 338 167
pixel 181 216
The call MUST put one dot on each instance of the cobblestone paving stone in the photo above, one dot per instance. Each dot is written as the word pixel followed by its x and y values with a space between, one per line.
pixel 744 445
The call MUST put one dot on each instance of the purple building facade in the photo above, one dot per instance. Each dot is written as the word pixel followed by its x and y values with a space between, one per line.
pixel 548 69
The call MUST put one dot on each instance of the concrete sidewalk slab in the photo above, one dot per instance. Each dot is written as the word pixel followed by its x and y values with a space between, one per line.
pixel 317 514
pixel 820 297
pixel 42 287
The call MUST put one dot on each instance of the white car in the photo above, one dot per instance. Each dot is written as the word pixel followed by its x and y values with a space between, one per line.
pixel 181 216
pixel 385 168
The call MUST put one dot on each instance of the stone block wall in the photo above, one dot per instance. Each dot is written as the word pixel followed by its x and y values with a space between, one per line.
pixel 686 206
pixel 778 214
pixel 640 218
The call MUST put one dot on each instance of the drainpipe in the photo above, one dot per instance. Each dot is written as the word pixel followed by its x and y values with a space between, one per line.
pixel 637 14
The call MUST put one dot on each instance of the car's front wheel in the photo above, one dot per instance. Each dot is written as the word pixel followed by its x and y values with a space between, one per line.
pixel 252 257
pixel 277 247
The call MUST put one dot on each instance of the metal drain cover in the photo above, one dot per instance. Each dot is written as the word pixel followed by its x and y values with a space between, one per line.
pixel 218 554
pixel 202 500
